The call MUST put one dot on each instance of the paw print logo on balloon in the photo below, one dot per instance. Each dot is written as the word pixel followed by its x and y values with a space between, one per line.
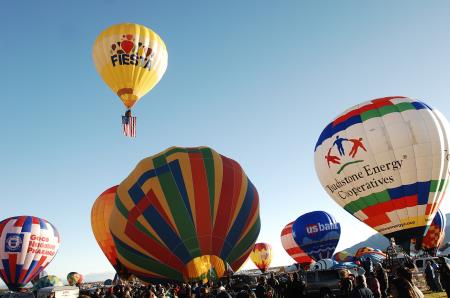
pixel 128 45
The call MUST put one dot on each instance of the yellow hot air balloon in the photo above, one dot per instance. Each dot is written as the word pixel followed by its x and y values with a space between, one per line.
pixel 261 255
pixel 131 59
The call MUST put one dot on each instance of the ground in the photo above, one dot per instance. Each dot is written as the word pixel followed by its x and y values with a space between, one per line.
pixel 435 295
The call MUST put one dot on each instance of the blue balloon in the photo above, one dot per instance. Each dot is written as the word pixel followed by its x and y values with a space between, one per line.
pixel 317 233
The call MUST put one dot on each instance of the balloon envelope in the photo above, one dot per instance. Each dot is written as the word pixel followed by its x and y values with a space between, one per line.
pixel 131 59
pixel 385 161
pixel 100 216
pixel 436 232
pixel 317 233
pixel 74 278
pixel 28 245
pixel 376 255
pixel 37 277
pixel 48 281
pixel 207 267
pixel 343 256
pixel 363 250
pixel 108 282
pixel 324 264
pixel 181 205
pixel 292 248
pixel 261 256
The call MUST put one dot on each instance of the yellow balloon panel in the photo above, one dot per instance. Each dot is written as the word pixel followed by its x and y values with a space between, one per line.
pixel 131 59
pixel 205 268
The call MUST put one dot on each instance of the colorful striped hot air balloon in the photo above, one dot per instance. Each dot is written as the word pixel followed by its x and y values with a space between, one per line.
pixel 74 278
pixel 179 206
pixel 436 232
pixel 317 233
pixel 292 248
pixel 261 256
pixel 386 162
pixel 100 216
pixel 27 245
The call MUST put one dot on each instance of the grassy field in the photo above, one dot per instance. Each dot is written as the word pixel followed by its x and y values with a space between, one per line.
pixel 435 295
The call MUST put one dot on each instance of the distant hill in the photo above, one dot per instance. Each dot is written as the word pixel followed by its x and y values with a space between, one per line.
pixel 93 277
pixel 375 241
pixel 447 235
pixel 381 242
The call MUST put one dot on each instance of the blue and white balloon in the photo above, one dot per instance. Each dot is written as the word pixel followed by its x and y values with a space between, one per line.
pixel 317 233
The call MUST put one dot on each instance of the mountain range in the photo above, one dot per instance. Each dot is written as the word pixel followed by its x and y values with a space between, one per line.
pixel 381 242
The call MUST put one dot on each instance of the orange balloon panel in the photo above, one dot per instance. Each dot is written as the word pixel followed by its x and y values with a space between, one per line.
pixel 261 255
pixel 100 214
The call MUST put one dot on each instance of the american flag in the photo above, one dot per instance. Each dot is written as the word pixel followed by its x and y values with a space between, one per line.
pixel 129 126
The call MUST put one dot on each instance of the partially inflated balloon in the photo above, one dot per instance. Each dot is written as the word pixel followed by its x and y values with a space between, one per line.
pixel 436 232
pixel 375 255
pixel 324 264
pixel 181 205
pixel 444 246
pixel 131 59
pixel 261 256
pixel 27 245
pixel 292 248
pixel 74 278
pixel 317 233
pixel 363 250
pixel 108 282
pixel 386 162
pixel 343 256
pixel 48 281
pixel 100 216
pixel 37 277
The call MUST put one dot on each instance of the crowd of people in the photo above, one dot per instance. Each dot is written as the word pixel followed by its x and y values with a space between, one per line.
pixel 375 282
pixel 291 285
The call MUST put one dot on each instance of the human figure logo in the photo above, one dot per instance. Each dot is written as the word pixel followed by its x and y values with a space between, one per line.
pixel 337 151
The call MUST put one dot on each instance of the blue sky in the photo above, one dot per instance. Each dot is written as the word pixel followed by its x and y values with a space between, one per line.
pixel 255 80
